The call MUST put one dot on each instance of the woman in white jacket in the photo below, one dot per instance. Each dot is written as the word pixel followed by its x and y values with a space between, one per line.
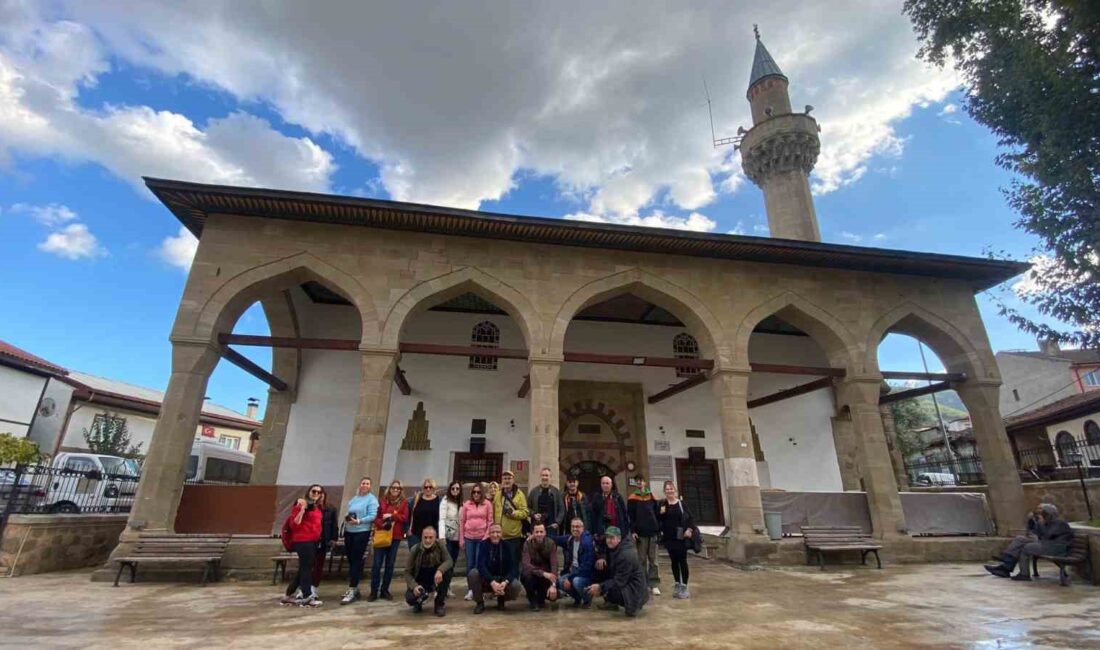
pixel 448 518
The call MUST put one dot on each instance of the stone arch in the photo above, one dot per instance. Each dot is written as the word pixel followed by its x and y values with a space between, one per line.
pixel 598 409
pixel 685 305
pixel 950 344
pixel 838 342
pixel 225 305
pixel 597 455
pixel 456 283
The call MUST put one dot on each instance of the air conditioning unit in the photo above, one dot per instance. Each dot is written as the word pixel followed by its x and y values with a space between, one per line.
pixel 477 445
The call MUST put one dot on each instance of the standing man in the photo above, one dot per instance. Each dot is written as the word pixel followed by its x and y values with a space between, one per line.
pixel 626 586
pixel 580 563
pixel 608 509
pixel 545 501
pixel 642 510
pixel 428 573
pixel 576 503
pixel 540 568
pixel 497 572
pixel 510 509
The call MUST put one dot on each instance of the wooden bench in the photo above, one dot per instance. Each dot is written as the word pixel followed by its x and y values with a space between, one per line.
pixel 206 550
pixel 338 554
pixel 1078 554
pixel 823 539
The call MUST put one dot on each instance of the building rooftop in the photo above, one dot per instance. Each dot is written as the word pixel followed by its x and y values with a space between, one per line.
pixel 192 203
pixel 763 65
pixel 1073 356
pixel 1067 408
pixel 20 357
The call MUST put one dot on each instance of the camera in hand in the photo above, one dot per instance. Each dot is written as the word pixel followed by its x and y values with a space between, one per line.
pixel 349 517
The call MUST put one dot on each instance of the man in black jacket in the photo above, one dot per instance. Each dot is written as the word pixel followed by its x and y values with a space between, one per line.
pixel 626 586
pixel 641 508
pixel 1055 537
pixel 497 572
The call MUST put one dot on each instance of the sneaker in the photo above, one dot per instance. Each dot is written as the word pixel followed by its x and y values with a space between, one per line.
pixel 534 607
pixel 656 591
pixel 586 605
pixel 479 608
pixel 418 607
pixel 350 596
pixel 312 601
pixel 999 570
pixel 469 594
pixel 440 610
pixel 684 593
pixel 1022 577
pixel 288 600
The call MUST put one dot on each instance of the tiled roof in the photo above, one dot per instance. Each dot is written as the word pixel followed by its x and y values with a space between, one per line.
pixel 1067 408
pixel 24 358
pixel 1074 356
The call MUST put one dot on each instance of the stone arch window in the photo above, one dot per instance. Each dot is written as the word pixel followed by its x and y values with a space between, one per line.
pixel 1092 433
pixel 1064 445
pixel 485 335
pixel 684 346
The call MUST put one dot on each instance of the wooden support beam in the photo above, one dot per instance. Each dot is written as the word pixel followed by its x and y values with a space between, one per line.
pixel 925 376
pixel 802 389
pixel 462 351
pixel 247 365
pixel 771 368
pixel 691 382
pixel 525 387
pixel 638 360
pixel 402 382
pixel 889 398
pixel 285 342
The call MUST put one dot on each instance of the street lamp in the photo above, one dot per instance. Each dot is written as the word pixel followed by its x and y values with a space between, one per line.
pixel 1077 459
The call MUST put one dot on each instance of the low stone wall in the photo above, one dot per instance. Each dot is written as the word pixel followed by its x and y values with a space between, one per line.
pixel 1067 495
pixel 42 543
pixel 791 551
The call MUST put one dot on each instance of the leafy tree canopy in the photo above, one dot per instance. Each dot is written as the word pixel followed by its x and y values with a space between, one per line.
pixel 110 436
pixel 18 450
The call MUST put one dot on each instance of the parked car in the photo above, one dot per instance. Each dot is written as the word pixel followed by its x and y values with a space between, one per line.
pixel 935 478
pixel 87 482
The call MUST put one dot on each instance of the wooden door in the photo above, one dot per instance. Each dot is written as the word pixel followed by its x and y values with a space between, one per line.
pixel 701 490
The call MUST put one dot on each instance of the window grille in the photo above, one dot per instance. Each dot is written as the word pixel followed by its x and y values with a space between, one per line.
pixel 684 346
pixel 485 335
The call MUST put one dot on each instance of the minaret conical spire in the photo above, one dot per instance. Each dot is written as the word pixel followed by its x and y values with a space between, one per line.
pixel 763 65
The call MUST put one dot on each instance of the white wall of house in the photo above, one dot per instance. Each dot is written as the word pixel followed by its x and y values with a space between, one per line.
pixel 19 393
pixel 139 425
pixel 1076 428
pixel 1037 381
pixel 796 435
pixel 47 429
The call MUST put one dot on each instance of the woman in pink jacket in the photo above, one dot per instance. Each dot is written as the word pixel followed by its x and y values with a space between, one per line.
pixel 473 526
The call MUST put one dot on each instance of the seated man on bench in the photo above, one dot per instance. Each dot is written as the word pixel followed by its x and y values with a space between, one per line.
pixel 1051 536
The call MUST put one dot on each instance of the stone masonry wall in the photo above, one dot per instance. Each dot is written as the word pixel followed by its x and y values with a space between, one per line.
pixel 42 543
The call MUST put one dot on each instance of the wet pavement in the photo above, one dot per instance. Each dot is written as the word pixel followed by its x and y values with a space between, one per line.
pixel 944 605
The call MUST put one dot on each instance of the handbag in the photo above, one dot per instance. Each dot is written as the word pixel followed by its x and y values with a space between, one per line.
pixel 382 538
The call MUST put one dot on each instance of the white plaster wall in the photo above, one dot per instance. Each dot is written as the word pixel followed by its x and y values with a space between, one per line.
pixel 19 393
pixel 1038 381
pixel 1076 428
pixel 47 430
pixel 321 420
pixel 139 425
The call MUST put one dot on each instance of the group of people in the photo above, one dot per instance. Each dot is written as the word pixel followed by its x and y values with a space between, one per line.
pixel 510 541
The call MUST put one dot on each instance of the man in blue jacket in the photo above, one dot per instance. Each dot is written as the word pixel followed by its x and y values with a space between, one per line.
pixel 497 572
pixel 580 563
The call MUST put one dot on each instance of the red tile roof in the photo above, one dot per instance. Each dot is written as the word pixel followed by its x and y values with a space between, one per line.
pixel 26 359
pixel 1067 408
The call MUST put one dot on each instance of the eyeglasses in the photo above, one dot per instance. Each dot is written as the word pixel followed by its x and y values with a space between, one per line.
pixel 455 487
pixel 429 487
pixel 314 491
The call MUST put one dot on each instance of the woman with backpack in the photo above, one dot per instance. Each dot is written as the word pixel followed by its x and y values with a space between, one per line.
pixel 389 530
pixel 304 529
pixel 677 529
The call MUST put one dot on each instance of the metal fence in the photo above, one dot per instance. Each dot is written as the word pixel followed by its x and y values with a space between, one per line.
pixel 1059 461
pixel 965 470
pixel 37 489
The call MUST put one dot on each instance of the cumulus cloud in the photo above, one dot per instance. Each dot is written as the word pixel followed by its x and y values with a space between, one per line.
pixel 657 219
pixel 857 238
pixel 53 214
pixel 73 242
pixel 179 249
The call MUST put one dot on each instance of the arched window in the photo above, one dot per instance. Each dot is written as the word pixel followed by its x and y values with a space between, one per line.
pixel 1064 445
pixel 684 346
pixel 1092 433
pixel 485 335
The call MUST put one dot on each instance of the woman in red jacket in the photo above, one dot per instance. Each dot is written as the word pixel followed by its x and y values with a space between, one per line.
pixel 393 514
pixel 305 535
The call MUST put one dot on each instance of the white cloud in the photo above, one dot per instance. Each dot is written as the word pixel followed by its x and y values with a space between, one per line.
pixel 657 219
pixel 53 214
pixel 1048 274
pixel 179 250
pixel 857 238
pixel 948 109
pixel 73 242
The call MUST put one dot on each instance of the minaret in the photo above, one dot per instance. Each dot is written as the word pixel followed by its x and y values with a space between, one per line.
pixel 780 150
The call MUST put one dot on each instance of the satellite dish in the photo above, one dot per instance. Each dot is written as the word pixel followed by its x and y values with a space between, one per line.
pixel 47 407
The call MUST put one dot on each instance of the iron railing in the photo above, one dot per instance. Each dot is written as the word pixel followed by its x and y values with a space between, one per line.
pixel 38 489
pixel 964 470
pixel 1056 462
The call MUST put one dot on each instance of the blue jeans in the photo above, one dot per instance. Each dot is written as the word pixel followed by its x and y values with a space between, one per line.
pixel 577 585
pixel 388 556
pixel 452 550
pixel 473 552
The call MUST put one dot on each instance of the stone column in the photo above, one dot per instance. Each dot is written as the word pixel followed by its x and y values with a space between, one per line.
pixel 162 474
pixel 746 514
pixel 265 469
pixel 846 456
pixel 1005 492
pixel 861 397
pixel 545 440
pixel 368 439
pixel 891 432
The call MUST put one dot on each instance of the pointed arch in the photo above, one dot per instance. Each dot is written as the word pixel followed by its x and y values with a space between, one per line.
pixel 225 305
pixel 838 342
pixel 671 297
pixel 466 280
pixel 957 352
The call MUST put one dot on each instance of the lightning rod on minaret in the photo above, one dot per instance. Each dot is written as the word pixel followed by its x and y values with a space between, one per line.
pixel 718 142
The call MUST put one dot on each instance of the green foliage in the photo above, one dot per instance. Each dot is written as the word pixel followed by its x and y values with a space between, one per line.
pixel 110 436
pixel 1032 71
pixel 18 450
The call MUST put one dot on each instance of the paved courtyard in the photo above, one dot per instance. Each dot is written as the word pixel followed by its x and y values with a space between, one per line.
pixel 947 605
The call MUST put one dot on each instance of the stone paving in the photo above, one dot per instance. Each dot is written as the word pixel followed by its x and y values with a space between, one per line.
pixel 943 605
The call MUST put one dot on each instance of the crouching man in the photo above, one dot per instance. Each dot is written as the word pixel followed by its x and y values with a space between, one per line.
pixel 428 573
pixel 497 572
pixel 626 587
pixel 580 563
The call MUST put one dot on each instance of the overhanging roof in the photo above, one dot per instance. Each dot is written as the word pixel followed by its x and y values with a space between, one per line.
pixel 193 202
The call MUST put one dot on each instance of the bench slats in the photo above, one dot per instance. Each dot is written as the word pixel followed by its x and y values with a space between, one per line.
pixel 167 548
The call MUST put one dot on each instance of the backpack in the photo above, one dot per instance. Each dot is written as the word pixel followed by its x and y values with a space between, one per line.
pixel 285 535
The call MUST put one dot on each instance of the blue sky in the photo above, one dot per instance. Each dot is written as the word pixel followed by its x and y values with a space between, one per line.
pixel 95 96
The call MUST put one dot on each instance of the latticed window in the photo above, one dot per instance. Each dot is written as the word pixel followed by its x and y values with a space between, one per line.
pixel 684 346
pixel 485 335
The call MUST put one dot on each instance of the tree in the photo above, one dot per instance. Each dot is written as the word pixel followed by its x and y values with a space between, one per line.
pixel 910 415
pixel 110 436
pixel 1032 74
pixel 20 451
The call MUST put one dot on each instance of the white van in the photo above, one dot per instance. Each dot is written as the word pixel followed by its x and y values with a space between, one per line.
pixel 87 482
pixel 935 478
pixel 212 462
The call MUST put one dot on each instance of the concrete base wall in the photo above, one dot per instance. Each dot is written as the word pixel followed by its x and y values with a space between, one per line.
pixel 42 543
pixel 901 550
pixel 1067 495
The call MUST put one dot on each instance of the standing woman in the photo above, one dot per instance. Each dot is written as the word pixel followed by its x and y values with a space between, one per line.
pixel 449 510
pixel 330 532
pixel 362 510
pixel 473 528
pixel 491 495
pixel 389 530
pixel 305 535
pixel 676 529
pixel 424 511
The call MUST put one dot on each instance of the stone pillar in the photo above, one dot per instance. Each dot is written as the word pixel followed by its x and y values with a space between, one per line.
pixel 265 469
pixel 844 441
pixel 1005 492
pixel 368 439
pixel 746 514
pixel 162 474
pixel 545 440
pixel 861 395
pixel 891 433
